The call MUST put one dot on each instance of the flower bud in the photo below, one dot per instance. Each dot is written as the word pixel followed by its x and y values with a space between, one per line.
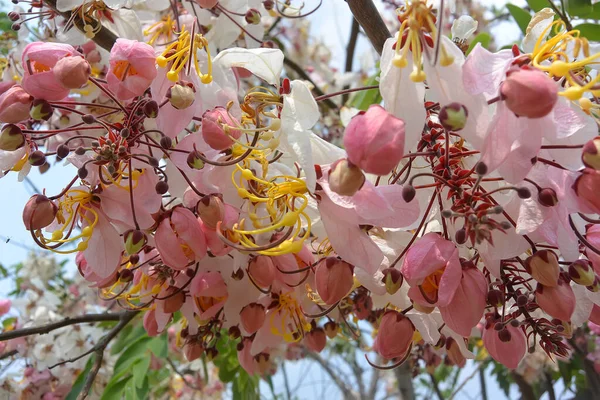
pixel 529 93
pixel 172 299
pixel 161 187
pixel 268 4
pixel 218 128
pixel 211 210
pixel 590 156
pixel 14 105
pixel 194 160
pixel 594 287
pixel 125 275
pixel 151 109
pixel 252 317
pixel 392 278
pixel 582 273
pixel 316 340
pixel 504 335
pixel 150 324
pixel 547 197
pixel 192 350
pixel 454 354
pixel 208 3
pixel 523 193
pixel 181 96
pixel 39 212
pixel 62 151
pixel 345 178
pixel 453 117
pixel 37 158
pixel 558 301
pixel 262 271
pixel 543 267
pixel 334 279
pixel 134 241
pixel 211 353
pixel 460 237
pixel 11 137
pixel 495 298
pixel 252 16
pixel 331 329
pixel 481 168
pixel 166 142
pixel 394 336
pixel 72 72
pixel 40 110
pixel 586 187
pixel 374 140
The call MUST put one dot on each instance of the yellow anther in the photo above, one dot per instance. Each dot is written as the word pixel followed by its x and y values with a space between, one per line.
pixel 573 93
pixel 417 76
pixel 206 79
pixel 57 235
pixel 585 104
pixel 82 245
pixel 87 231
pixel 161 61
pixel 173 76
pixel 289 219
pixel 559 68
pixel 399 61
pixel 247 174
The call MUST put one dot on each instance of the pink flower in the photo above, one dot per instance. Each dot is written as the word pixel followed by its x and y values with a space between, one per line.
pixel 179 239
pixel 14 105
pixel 217 128
pixel 150 324
pixel 192 350
pixel 592 234
pixel 468 303
pixel 394 336
pixel 5 305
pixel 132 68
pixel 558 301
pixel 262 271
pixel 316 340
pixel 374 140
pixel 252 317
pixel 209 292
pixel 507 346
pixel 334 279
pixel 245 357
pixel 38 60
pixel 529 93
pixel 432 268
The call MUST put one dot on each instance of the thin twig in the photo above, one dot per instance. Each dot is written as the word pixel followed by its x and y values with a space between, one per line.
pixel 41 330
pixel 468 378
pixel 436 388
pixel 350 52
pixel 8 354
pixel 174 368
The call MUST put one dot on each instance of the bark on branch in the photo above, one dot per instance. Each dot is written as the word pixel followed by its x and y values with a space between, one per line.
pixel 368 17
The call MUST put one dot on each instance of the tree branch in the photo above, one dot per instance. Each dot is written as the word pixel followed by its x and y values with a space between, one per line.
pixel 41 330
pixel 368 17
pixel 404 381
pixel 350 49
pixel 99 348
pixel 346 391
pixel 8 354
pixel 479 368
pixel 436 387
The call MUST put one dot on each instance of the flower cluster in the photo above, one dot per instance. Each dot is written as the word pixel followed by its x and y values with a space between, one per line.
pixel 204 192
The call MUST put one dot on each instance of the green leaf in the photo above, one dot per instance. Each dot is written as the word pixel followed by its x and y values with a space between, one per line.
pixel 245 387
pixel 140 370
pixel 80 381
pixel 483 38
pixel 537 5
pixel 521 16
pixel 159 346
pixel 143 390
pixel 114 390
pixel 131 355
pixel 589 31
pixel 227 374
pixel 579 8
pixel 8 322
pixel 363 99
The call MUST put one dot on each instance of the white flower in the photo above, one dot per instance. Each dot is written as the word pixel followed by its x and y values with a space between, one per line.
pixel 463 28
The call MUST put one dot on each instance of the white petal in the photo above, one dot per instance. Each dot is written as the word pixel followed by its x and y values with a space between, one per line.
pixel 536 28
pixel 264 63
pixel 583 305
pixel 464 27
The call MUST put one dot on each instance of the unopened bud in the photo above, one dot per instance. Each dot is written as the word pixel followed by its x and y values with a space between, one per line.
pixel 211 210
pixel 595 287
pixel 88 118
pixel 446 213
pixel 162 187
pixel 495 298
pixel 543 267
pixel 529 93
pixel 14 16
pixel 523 193
pixel 11 137
pixel 181 96
pixel 393 279
pixel 268 4
pixel 522 300
pixel 39 212
pixel 408 193
pixel 211 353
pixel 134 241
pixel 581 272
pixel 125 132
pixel 194 160
pixel 453 117
pixel 481 168
pixel 40 110
pixel 82 173
pixel 345 178
pixel 331 329
pixel 166 142
pixel 252 16
pixel 62 151
pixel 37 158
pixel 504 335
pixel 72 72
pixel 234 332
pixel 151 109
pixel 461 236
pixel 125 275
pixel 547 197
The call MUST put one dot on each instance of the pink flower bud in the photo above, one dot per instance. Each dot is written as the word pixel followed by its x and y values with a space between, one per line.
pixel 134 241
pixel 393 279
pixel 510 352
pixel 586 187
pixel 394 336
pixel 5 305
pixel 181 96
pixel 171 300
pixel 252 16
pixel 193 350
pixel 14 105
pixel 150 324
pixel 334 279
pixel 374 140
pixel 558 301
pixel 211 210
pixel 331 329
pixel 11 137
pixel 39 212
pixel 454 354
pixel 316 340
pixel 529 93
pixel 345 178
pixel 582 273
pixel 262 271
pixel 72 72
pixel 218 127
pixel 132 68
pixel 453 116
pixel 252 317
pixel 207 3
pixel 543 267
pixel 590 154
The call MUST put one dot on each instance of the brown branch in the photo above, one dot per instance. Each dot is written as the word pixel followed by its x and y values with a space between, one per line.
pixel 346 391
pixel 41 330
pixel 350 49
pixel 174 368
pixel 368 17
pixel 8 354
pixel 103 38
pixel 99 348
pixel 436 388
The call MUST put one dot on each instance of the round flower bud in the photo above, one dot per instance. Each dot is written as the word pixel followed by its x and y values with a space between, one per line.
pixel 14 105
pixel 166 142
pixel 262 271
pixel 40 110
pixel 72 72
pixel 334 279
pixel 37 158
pixel 543 267
pixel 151 109
pixel 547 197
pixel 211 210
pixel 218 128
pixel 529 93
pixel 192 350
pixel 11 137
pixel 345 178
pixel 252 317
pixel 590 156
pixel 374 140
pixel 582 273
pixel 523 193
pixel 134 241
pixel 39 212
pixel 394 337
pixel 162 187
pixel 181 96
pixel 586 187
pixel 316 340
pixel 62 151
pixel 460 237
pixel 453 117
pixel 252 16
pixel 393 279
pixel 268 4
pixel 194 160
pixel 331 329
pixel 408 193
